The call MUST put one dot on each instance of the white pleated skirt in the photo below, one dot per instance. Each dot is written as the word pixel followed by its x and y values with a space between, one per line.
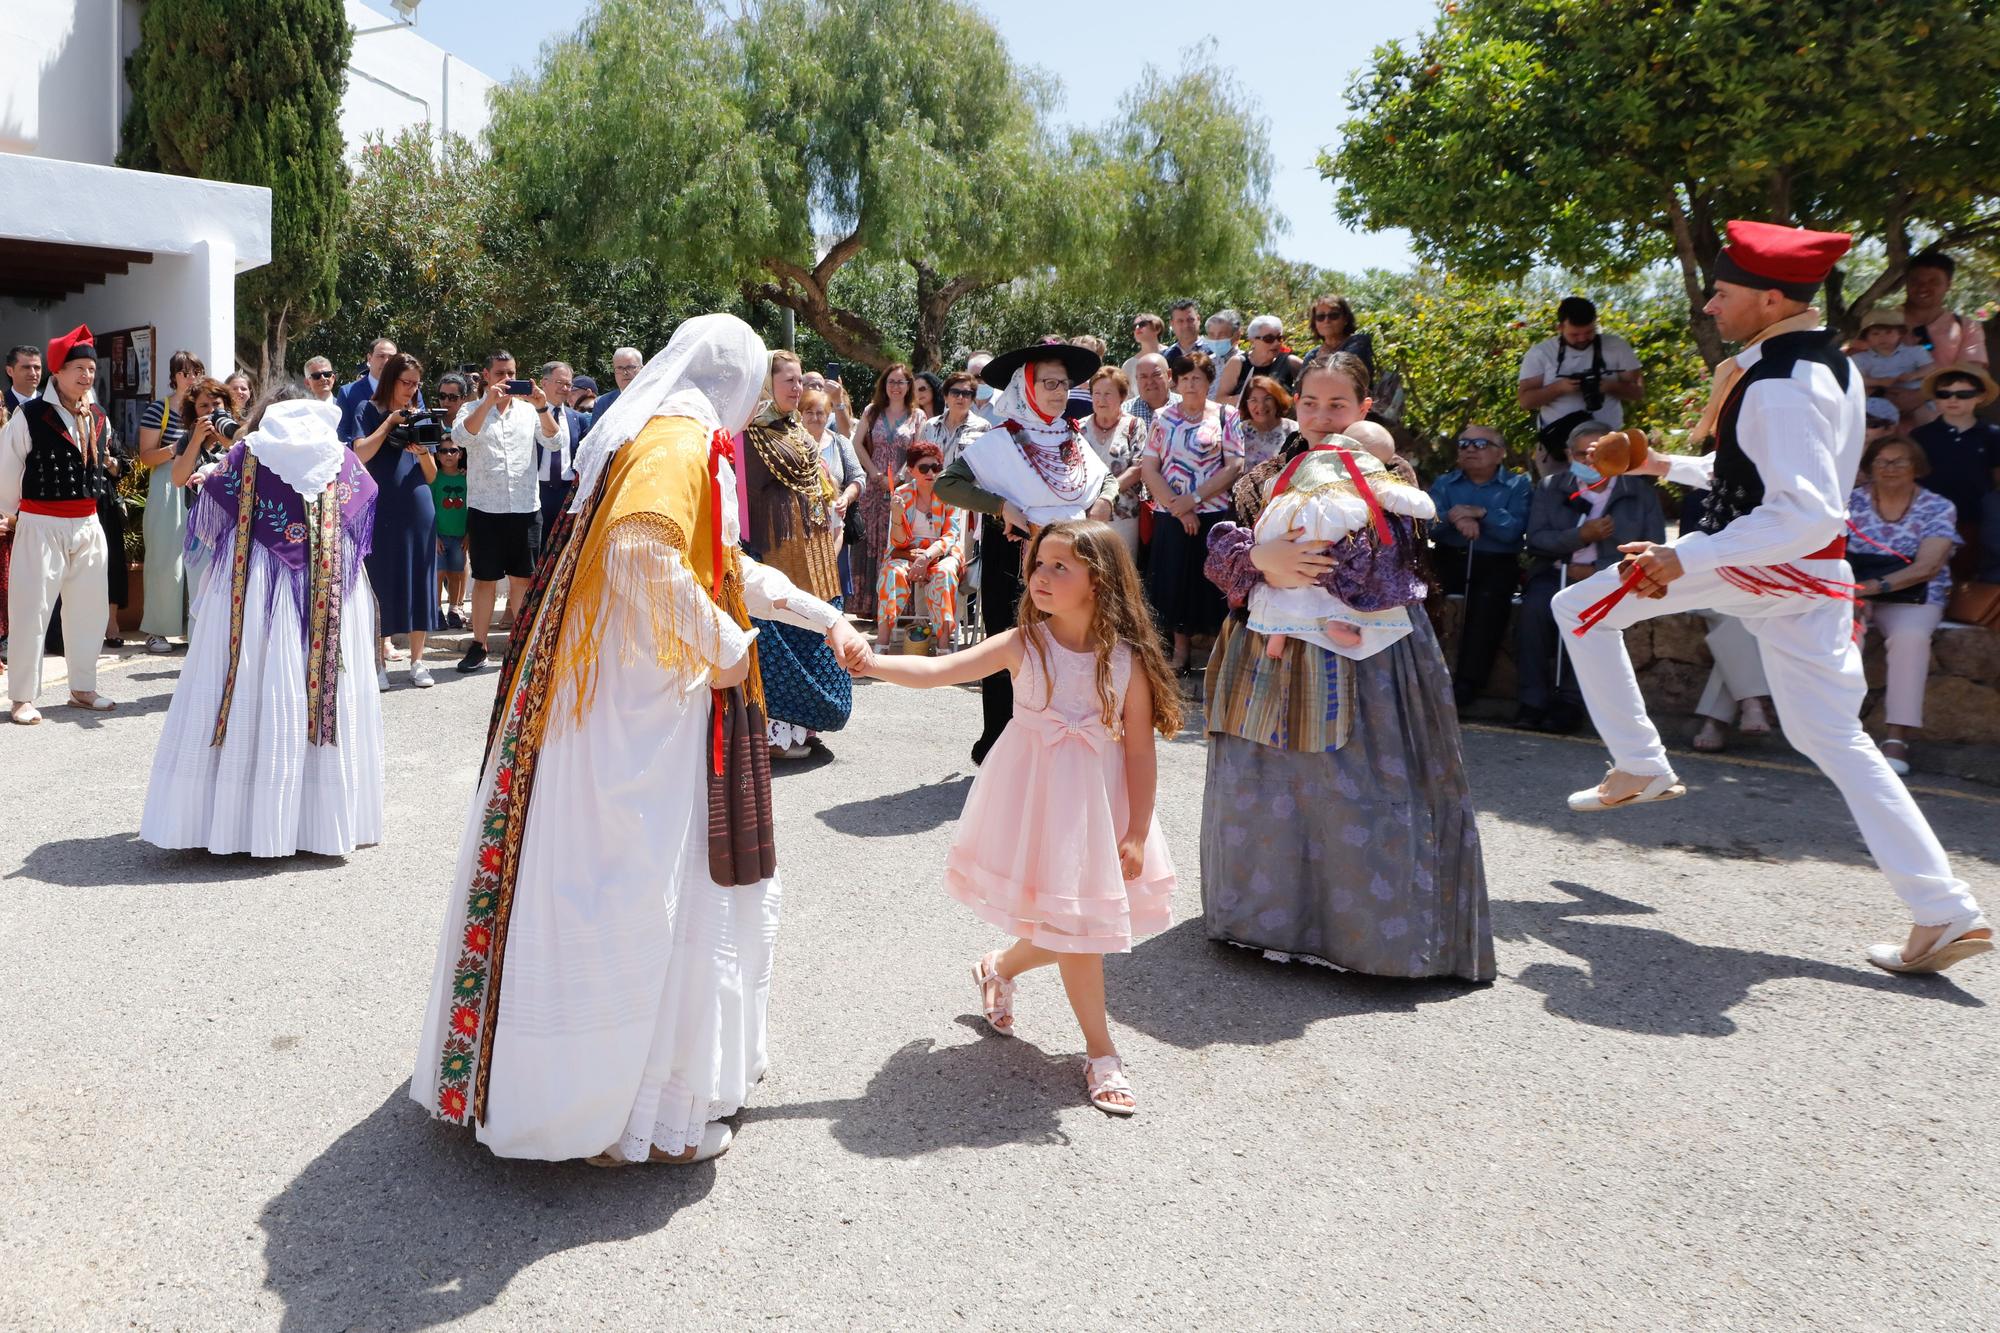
pixel 634 989
pixel 266 791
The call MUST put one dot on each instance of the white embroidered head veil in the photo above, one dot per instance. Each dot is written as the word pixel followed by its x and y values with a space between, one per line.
pixel 712 369
pixel 297 440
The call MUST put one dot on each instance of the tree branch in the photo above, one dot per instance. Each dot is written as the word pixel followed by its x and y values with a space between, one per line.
pixel 1896 241
pixel 846 332
pixel 1694 274
pixel 831 262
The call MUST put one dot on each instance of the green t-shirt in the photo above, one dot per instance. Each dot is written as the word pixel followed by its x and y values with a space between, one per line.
pixel 448 494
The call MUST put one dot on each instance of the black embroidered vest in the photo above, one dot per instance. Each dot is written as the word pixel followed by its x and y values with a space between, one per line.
pixel 55 468
pixel 1736 489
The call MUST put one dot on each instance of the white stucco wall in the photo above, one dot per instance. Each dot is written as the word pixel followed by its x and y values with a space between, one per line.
pixel 62 83
pixel 425 84
pixel 201 235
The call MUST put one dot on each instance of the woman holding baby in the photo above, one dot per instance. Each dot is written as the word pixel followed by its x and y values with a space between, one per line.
pixel 1337 826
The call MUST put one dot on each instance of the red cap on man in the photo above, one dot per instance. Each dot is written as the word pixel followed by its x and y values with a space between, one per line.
pixel 76 343
pixel 1788 259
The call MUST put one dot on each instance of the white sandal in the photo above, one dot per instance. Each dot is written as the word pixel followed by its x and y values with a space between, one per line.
pixel 1104 1076
pixel 96 703
pixel 25 714
pixel 1665 787
pixel 1965 938
pixel 999 1011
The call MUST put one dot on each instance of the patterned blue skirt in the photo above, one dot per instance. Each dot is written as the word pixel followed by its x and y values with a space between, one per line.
pixel 804 683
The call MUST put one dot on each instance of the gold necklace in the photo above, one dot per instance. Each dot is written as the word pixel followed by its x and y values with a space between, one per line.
pixel 801 476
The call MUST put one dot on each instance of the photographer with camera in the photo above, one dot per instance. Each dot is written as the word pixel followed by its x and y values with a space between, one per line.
pixel 1577 376
pixel 503 503
pixel 398 441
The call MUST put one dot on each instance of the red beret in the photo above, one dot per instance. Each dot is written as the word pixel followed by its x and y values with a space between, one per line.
pixel 77 342
pixel 1791 259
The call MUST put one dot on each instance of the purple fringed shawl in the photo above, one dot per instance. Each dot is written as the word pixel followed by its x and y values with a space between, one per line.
pixel 297 533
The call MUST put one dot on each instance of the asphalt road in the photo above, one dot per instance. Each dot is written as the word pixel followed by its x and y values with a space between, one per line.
pixel 1686 1104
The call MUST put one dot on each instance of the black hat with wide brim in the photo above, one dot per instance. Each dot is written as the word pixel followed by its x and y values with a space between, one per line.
pixel 1080 362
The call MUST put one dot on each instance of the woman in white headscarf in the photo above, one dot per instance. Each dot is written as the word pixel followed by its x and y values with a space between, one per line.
pixel 1033 468
pixel 273 744
pixel 601 981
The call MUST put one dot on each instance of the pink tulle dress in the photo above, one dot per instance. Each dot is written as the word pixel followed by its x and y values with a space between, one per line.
pixel 1036 852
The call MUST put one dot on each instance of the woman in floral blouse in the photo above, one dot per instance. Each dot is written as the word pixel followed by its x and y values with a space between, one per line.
pixel 1192 458
pixel 925 553
pixel 1119 438
pixel 1892 514
pixel 1268 408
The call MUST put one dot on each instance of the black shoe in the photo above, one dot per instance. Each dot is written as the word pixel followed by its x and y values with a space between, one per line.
pixel 979 749
pixel 453 620
pixel 475 658
pixel 1531 719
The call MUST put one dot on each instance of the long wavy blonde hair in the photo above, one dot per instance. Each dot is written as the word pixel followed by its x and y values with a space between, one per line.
pixel 1120 616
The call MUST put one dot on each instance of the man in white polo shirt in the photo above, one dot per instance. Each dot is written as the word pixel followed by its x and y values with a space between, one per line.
pixel 503 505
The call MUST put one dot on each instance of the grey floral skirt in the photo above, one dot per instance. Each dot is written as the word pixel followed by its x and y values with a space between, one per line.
pixel 1366 857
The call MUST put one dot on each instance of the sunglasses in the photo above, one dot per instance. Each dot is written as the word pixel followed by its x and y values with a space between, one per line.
pixel 1956 393
pixel 929 469
pixel 451 450
pixel 1324 315
pixel 1466 442
pixel 960 392
pixel 451 397
pixel 1267 338
pixel 320 375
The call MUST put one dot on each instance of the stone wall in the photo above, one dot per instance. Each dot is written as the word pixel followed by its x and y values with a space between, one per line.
pixel 1961 707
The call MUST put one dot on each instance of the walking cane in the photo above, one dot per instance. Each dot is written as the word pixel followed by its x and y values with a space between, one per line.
pixel 1562 581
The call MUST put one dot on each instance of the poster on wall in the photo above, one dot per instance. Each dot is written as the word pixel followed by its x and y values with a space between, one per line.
pixel 125 358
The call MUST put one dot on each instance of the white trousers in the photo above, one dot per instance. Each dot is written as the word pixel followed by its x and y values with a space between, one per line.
pixel 1906 644
pixel 56 557
pixel 1814 669
pixel 1738 673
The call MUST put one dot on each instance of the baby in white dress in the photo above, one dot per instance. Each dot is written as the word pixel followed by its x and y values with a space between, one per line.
pixel 1323 499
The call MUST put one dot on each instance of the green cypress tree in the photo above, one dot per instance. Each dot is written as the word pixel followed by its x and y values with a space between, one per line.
pixel 249 91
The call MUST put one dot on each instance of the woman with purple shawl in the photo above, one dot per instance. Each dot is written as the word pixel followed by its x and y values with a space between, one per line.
pixel 273 742
pixel 1336 825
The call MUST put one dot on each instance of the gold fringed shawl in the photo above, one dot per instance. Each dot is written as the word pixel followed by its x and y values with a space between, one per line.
pixel 662 483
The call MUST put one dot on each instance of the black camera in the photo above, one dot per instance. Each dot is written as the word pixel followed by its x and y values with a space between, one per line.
pixel 422 428
pixel 1591 385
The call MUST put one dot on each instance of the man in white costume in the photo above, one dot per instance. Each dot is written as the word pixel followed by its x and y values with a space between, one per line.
pixel 1788 414
pixel 603 974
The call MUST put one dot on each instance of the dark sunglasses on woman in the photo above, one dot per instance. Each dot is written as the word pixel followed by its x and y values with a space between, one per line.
pixel 929 469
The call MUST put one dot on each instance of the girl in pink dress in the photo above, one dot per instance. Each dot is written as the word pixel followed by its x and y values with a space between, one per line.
pixel 1057 844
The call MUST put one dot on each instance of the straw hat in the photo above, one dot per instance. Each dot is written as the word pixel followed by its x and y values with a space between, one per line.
pixel 1988 390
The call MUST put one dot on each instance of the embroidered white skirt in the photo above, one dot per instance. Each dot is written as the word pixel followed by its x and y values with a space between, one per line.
pixel 633 989
pixel 264 790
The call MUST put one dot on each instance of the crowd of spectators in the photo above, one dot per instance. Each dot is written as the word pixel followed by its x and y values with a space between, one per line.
pixel 474 468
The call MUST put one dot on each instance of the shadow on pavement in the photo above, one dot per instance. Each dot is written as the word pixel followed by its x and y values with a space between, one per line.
pixel 927 1097
pixel 406 1223
pixel 1731 813
pixel 1189 991
pixel 121 860
pixel 900 813
pixel 1652 982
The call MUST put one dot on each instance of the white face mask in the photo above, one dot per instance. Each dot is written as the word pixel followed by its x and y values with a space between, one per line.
pixel 1585 474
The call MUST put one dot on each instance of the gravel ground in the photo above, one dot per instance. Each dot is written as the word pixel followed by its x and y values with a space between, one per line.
pixel 1686 1103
